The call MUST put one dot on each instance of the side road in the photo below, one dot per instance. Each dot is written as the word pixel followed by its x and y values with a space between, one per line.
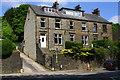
pixel 30 66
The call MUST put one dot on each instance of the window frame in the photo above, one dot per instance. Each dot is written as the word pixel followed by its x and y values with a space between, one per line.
pixel 56 27
pixel 85 40
pixel 104 27
pixel 42 22
pixel 85 26
pixel 72 38
pixel 71 25
pixel 95 37
pixel 95 28
pixel 58 37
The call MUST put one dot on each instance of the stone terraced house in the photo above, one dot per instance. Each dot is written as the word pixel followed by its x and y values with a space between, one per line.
pixel 47 28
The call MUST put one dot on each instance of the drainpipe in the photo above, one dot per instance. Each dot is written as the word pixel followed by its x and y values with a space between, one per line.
pixel 48 33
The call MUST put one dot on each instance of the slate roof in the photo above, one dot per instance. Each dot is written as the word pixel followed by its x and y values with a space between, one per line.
pixel 87 17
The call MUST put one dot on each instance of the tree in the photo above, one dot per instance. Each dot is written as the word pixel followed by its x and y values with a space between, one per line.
pixel 115 27
pixel 7 31
pixel 16 19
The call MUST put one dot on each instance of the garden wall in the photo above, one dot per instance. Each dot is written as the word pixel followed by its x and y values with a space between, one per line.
pixel 12 64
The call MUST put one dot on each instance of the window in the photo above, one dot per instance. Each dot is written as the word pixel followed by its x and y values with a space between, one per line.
pixel 71 25
pixel 95 28
pixel 105 37
pixel 72 38
pixel 57 24
pixel 95 37
pixel 104 28
pixel 42 22
pixel 49 10
pixel 75 13
pixel 84 27
pixel 58 39
pixel 85 40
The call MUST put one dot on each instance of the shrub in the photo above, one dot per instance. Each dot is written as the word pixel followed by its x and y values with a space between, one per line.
pixel 7 47
pixel 70 44
pixel 102 43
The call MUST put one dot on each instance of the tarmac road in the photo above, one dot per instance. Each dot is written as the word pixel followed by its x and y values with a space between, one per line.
pixel 112 75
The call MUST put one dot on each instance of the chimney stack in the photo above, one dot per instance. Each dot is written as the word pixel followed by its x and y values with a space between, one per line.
pixel 78 7
pixel 56 5
pixel 96 11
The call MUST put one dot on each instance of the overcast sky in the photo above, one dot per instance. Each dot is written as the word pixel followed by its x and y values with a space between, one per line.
pixel 108 8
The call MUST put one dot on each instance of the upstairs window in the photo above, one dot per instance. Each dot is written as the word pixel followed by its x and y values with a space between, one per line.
pixel 104 29
pixel 42 21
pixel 85 40
pixel 71 25
pixel 95 28
pixel 72 38
pixel 57 24
pixel 75 13
pixel 49 10
pixel 84 27
pixel 58 39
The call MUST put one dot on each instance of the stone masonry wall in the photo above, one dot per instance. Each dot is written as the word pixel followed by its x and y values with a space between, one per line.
pixel 12 64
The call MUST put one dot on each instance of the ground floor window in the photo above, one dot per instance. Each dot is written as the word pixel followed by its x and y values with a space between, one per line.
pixel 95 37
pixel 85 40
pixel 58 39
pixel 72 38
pixel 105 37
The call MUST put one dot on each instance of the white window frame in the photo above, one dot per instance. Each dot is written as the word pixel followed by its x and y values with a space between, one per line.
pixel 85 40
pixel 59 36
pixel 72 36
pixel 56 27
pixel 84 26
pixel 42 22
pixel 71 25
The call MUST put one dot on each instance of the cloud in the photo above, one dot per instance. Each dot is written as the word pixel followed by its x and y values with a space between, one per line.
pixel 115 19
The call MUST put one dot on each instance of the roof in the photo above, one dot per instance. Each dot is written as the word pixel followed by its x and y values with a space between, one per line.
pixel 87 17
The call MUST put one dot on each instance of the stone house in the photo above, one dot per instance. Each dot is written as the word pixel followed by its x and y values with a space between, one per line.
pixel 47 28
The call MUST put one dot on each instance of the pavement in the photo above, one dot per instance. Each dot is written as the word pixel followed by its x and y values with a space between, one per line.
pixel 30 66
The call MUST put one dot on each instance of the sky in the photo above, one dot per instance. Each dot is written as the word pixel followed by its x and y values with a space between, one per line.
pixel 108 8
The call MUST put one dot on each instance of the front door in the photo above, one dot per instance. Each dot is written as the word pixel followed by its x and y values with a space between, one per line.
pixel 43 40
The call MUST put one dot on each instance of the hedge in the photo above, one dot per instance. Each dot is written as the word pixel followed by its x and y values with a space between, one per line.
pixel 7 47
pixel 70 44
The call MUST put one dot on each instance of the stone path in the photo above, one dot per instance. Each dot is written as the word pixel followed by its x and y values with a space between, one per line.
pixel 30 66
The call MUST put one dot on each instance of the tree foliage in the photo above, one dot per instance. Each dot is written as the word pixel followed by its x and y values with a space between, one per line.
pixel 7 31
pixel 70 44
pixel 15 18
pixel 115 27
pixel 7 47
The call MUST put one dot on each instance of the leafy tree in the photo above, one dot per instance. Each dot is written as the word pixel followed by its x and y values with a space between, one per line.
pixel 16 19
pixel 7 31
pixel 115 27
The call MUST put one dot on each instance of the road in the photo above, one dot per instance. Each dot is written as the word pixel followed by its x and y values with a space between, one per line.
pixel 112 75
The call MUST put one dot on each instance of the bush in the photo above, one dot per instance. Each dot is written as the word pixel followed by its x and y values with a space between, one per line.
pixel 71 44
pixel 7 47
pixel 102 43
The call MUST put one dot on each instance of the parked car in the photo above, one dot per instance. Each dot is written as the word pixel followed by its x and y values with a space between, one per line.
pixel 112 65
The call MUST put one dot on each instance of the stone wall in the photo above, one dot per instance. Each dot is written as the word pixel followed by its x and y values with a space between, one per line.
pixel 12 64
pixel 64 62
